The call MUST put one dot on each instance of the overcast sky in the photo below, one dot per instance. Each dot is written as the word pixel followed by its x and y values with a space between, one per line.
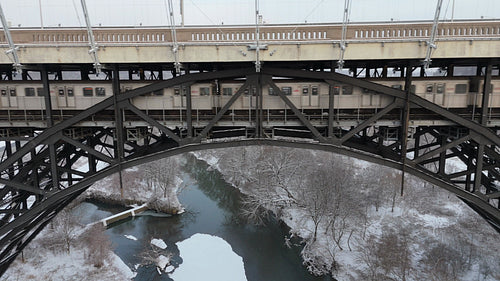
pixel 154 12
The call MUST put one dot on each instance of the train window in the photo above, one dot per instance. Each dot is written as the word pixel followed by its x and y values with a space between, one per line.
pixel 177 91
pixel 271 91
pixel 347 90
pixel 245 92
pixel 100 91
pixel 461 88
pixel 4 92
pixel 88 92
pixel 155 93
pixel 204 91
pixel 70 92
pixel 287 91
pixel 29 92
pixel 39 92
pixel 335 90
pixel 399 87
pixel 61 92
pixel 13 92
pixel 305 90
pixel 227 91
pixel 314 90
pixel 440 88
pixel 429 89
pixel 185 90
pixel 254 91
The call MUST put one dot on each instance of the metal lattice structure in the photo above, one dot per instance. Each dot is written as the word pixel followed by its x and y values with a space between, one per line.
pixel 40 177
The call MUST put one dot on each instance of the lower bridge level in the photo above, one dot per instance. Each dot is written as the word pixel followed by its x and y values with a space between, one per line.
pixel 406 129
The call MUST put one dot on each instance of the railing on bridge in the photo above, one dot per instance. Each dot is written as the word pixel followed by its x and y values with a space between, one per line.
pixel 272 33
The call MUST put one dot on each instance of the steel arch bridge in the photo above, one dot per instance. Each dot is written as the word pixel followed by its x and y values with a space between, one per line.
pixel 40 177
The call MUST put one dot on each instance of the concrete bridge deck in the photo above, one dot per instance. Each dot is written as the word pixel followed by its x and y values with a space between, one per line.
pixel 305 42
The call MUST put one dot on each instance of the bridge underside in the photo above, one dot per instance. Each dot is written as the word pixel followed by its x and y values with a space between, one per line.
pixel 39 166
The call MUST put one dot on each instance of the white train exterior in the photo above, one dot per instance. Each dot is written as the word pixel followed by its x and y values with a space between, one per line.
pixel 456 92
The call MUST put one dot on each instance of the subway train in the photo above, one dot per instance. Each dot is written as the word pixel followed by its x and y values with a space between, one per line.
pixel 23 100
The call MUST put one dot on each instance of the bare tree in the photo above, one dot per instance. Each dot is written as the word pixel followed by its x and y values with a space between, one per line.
pixel 161 175
pixel 368 255
pixel 316 197
pixel 443 262
pixel 98 244
pixel 394 254
pixel 62 232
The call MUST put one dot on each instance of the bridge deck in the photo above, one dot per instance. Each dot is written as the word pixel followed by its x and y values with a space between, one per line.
pixel 306 42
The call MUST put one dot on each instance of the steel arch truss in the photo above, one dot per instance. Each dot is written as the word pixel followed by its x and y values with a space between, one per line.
pixel 57 164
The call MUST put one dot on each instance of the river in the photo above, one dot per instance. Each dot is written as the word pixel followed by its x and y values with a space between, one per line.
pixel 212 208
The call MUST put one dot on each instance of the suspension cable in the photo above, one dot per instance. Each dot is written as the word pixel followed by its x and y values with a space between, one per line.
pixel 343 45
pixel 175 47
pixel 12 51
pixel 93 46
pixel 431 43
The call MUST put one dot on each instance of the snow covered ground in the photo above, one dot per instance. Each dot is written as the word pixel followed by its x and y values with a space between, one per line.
pixel 207 257
pixel 46 265
pixel 427 221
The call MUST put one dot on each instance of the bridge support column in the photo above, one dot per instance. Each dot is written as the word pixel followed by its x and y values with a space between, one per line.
pixel 469 185
pixel 18 146
pixel 8 149
pixel 405 120
pixel 91 158
pixel 35 176
pixel 119 147
pixel 331 103
pixel 417 136
pixel 189 112
pixel 24 75
pixel 442 156
pixel 484 119
pixel 50 123
pixel 485 104
pixel 68 167
pixel 384 72
pixel 258 110
pixel 450 70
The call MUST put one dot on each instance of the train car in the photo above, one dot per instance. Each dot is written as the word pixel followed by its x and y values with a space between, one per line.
pixel 312 97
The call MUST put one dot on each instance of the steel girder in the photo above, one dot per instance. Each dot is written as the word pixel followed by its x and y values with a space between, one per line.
pixel 31 197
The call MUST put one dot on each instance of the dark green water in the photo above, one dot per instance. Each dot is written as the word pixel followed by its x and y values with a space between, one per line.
pixel 212 208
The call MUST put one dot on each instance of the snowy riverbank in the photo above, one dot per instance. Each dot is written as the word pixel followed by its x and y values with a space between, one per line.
pixel 154 184
pixel 46 259
pixel 62 250
pixel 365 231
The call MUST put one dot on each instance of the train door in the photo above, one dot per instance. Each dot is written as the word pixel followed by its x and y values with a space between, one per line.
pixel 66 97
pixel 8 97
pixel 315 96
pixel 429 92
pixel 310 96
pixel 216 97
pixel 4 98
pixel 12 97
pixel 440 93
pixel 305 99
pixel 250 98
pixel 180 97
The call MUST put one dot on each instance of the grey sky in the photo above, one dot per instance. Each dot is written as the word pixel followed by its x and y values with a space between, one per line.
pixel 154 12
